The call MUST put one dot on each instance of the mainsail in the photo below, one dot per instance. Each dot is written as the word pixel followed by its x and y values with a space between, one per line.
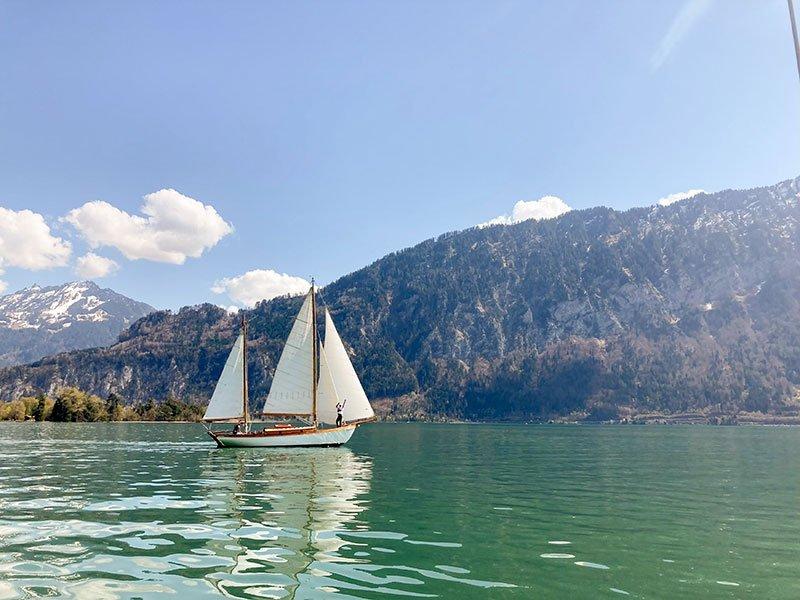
pixel 227 401
pixel 338 382
pixel 292 387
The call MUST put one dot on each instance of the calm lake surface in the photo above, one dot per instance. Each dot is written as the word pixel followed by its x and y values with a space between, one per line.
pixel 421 510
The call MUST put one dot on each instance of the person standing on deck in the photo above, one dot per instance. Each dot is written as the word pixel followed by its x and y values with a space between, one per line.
pixel 339 409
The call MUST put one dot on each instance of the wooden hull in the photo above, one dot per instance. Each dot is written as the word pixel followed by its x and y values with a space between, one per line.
pixel 286 438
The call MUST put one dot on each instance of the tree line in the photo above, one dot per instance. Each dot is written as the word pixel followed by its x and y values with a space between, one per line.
pixel 72 405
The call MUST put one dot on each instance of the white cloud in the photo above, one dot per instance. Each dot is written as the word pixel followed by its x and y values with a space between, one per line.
pixel 3 286
pixel 546 207
pixel 689 14
pixel 677 197
pixel 174 227
pixel 94 266
pixel 260 284
pixel 26 242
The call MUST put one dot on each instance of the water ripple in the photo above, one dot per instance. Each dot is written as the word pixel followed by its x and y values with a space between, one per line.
pixel 445 511
pixel 109 523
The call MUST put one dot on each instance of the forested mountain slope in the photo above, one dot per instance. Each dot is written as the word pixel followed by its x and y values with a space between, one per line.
pixel 670 309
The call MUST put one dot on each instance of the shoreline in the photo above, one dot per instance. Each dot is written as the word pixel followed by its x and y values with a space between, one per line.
pixel 661 420
pixel 627 417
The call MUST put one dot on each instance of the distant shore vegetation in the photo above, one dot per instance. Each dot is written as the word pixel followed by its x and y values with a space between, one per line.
pixel 71 405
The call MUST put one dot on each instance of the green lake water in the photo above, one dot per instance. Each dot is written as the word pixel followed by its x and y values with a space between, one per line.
pixel 405 510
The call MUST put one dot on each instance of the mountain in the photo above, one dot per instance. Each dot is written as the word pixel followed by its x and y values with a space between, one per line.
pixel 665 309
pixel 37 321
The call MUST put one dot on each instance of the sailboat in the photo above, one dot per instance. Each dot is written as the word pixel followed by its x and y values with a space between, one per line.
pixel 310 381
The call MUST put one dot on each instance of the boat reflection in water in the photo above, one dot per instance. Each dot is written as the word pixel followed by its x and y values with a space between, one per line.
pixel 282 513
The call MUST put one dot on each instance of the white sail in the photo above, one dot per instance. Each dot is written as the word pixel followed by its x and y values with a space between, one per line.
pixel 291 391
pixel 227 400
pixel 327 398
pixel 338 382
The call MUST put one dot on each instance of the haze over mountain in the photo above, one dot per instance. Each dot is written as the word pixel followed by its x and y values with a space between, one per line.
pixel 674 308
pixel 39 321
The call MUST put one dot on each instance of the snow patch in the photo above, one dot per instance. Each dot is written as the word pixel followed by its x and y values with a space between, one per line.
pixel 56 308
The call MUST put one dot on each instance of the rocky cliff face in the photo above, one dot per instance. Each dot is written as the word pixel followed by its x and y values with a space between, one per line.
pixel 669 309
pixel 37 321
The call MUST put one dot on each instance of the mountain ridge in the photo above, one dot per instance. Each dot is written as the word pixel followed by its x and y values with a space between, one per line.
pixel 37 321
pixel 665 308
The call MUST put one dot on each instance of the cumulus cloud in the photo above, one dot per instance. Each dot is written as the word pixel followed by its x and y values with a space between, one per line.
pixel 94 266
pixel 677 197
pixel 688 16
pixel 546 207
pixel 260 284
pixel 3 286
pixel 26 242
pixel 174 227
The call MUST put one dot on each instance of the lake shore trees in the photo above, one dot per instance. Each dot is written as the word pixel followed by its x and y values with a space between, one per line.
pixel 72 405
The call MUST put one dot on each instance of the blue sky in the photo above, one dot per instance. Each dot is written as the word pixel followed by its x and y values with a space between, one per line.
pixel 322 135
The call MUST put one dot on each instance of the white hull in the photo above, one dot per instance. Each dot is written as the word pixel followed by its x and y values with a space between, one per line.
pixel 286 439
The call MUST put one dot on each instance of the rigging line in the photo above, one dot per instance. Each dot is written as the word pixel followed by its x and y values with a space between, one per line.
pixel 794 35
pixel 330 376
pixel 322 297
pixel 326 306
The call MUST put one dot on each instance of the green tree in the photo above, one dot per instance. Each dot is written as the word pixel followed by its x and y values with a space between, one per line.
pixel 146 410
pixel 93 409
pixel 40 412
pixel 12 411
pixel 114 407
pixel 61 412
pixel 73 405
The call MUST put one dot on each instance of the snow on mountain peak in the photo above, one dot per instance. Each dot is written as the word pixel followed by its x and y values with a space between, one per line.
pixel 56 307
pixel 39 321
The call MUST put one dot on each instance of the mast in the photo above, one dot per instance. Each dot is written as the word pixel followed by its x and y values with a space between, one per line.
pixel 245 408
pixel 314 365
